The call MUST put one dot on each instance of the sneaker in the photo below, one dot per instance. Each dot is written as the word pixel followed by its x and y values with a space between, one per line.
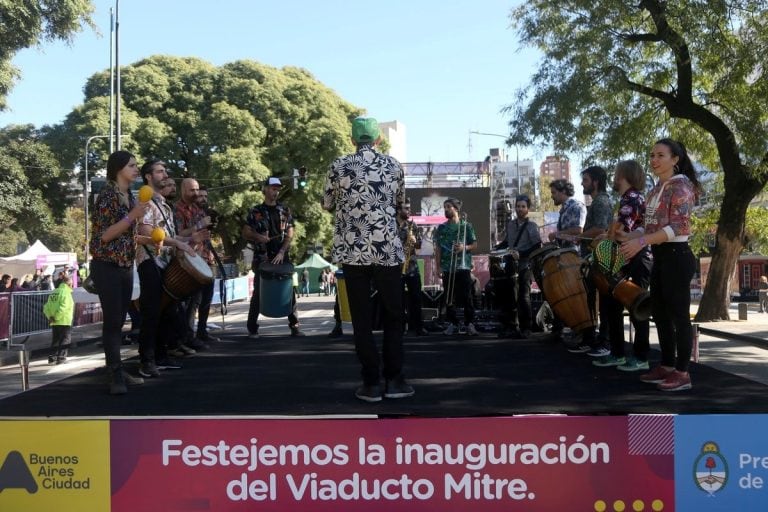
pixel 451 330
pixel 117 383
pixel 609 360
pixel 676 381
pixel 369 393
pixel 131 380
pixel 599 351
pixel 198 345
pixel 581 348
pixel 207 338
pixel 398 388
pixel 336 332
pixel 471 329
pixel 167 363
pixel 657 375
pixel 633 365
pixel 148 370
pixel 176 352
pixel 296 332
pixel 253 335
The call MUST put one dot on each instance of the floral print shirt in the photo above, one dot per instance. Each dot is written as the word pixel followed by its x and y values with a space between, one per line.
pixel 274 221
pixel 111 207
pixel 159 214
pixel 631 210
pixel 669 208
pixel 573 214
pixel 365 188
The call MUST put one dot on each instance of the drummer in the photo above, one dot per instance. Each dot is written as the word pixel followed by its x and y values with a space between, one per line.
pixel 152 259
pixel 269 230
pixel 522 238
pixel 628 182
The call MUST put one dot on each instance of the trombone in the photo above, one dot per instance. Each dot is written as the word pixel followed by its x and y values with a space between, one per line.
pixel 457 260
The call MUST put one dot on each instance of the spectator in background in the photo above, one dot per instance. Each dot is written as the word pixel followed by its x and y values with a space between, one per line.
pixel 59 310
pixel 5 284
pixel 762 294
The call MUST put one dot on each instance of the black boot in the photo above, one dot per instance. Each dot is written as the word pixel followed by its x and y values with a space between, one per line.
pixel 336 332
pixel 117 381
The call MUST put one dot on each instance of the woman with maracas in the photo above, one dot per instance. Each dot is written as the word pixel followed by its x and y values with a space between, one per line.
pixel 113 248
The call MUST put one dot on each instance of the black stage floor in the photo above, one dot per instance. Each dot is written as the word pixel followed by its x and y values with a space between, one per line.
pixel 453 377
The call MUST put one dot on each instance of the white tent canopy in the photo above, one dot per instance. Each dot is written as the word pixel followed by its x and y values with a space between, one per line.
pixel 27 261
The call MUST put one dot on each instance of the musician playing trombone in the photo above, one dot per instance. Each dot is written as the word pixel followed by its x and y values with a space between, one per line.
pixel 454 242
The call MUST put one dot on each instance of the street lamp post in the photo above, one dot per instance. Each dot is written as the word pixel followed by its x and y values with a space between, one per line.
pixel 85 195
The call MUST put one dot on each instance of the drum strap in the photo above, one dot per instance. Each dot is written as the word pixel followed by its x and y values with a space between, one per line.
pixel 222 280
pixel 520 231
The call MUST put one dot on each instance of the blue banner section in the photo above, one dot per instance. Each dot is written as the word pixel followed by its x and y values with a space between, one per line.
pixel 721 463
pixel 236 289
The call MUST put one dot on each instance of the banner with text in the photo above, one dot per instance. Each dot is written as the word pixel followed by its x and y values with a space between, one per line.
pixel 521 463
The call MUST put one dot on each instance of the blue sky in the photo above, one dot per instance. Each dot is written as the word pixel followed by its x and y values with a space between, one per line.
pixel 441 68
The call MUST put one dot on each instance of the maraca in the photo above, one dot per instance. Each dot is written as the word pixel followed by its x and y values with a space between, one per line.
pixel 158 235
pixel 146 193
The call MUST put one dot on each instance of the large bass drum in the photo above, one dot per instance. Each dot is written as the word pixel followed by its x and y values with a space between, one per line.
pixel 564 289
pixel 536 259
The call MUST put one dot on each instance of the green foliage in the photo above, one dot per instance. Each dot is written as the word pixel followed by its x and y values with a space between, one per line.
pixel 26 23
pixel 33 189
pixel 229 127
pixel 616 76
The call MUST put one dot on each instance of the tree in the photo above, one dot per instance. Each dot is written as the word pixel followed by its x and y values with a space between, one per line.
pixel 229 127
pixel 26 23
pixel 616 76
pixel 33 187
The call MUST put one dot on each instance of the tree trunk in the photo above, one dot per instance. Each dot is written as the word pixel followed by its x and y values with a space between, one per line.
pixel 740 189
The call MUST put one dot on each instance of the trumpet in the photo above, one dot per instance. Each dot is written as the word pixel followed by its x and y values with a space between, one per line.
pixel 457 259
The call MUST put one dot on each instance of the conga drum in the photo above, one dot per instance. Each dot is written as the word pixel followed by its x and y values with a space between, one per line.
pixel 184 276
pixel 536 259
pixel 275 289
pixel 608 276
pixel 564 288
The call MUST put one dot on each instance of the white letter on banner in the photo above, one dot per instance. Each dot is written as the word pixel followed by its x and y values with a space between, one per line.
pixel 167 452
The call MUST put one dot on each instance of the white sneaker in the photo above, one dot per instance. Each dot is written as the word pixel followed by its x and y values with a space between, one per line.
pixel 451 330
pixel 471 329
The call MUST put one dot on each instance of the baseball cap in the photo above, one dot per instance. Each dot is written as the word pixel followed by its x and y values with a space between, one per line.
pixel 272 181
pixel 365 129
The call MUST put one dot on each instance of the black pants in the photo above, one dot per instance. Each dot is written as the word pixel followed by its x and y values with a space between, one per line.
pixel 159 326
pixel 387 280
pixel 412 300
pixel 462 296
pixel 115 286
pixel 253 311
pixel 673 269
pixel 639 270
pixel 516 302
pixel 200 304
pixel 61 339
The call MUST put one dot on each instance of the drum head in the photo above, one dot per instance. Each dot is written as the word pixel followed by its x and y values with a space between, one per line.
pixel 196 266
pixel 270 269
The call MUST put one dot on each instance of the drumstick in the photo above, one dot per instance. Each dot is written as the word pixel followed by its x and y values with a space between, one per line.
pixel 572 238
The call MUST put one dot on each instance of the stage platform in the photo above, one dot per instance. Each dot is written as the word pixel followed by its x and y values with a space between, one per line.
pixel 459 376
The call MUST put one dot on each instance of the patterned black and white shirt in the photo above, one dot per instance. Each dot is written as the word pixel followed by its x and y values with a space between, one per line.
pixel 365 188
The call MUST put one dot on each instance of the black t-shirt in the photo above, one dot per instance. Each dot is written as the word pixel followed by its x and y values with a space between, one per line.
pixel 271 220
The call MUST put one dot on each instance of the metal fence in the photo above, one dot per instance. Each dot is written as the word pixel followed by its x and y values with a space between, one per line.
pixel 25 316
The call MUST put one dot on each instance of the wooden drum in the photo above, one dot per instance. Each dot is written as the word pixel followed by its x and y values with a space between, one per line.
pixel 564 288
pixel 184 276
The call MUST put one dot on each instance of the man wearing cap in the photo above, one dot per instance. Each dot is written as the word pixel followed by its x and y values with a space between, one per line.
pixel 454 242
pixel 269 230
pixel 365 189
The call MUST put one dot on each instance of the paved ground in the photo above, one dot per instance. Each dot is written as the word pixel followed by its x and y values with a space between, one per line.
pixel 729 351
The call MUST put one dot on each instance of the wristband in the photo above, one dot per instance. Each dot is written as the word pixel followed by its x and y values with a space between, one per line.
pixel 643 243
pixel 128 220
